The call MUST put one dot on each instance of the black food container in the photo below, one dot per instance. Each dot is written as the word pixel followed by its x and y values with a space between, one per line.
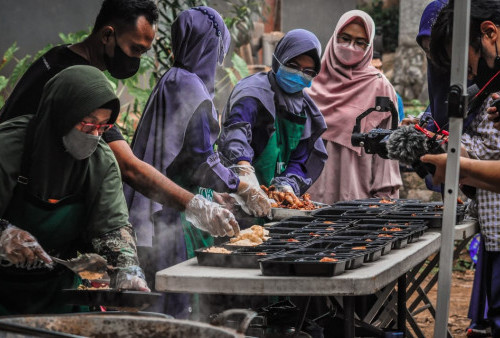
pixel 239 258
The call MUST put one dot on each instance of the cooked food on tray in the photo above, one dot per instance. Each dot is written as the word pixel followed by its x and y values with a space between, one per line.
pixel 385 235
pixel 216 249
pixel 90 275
pixel 252 236
pixel 328 259
pixel 288 199
pixel 358 248
pixel 391 229
pixel 94 287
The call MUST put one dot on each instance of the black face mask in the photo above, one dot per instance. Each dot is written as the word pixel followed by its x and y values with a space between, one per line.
pixel 121 66
pixel 485 73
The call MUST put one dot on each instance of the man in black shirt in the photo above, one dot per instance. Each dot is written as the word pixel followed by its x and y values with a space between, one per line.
pixel 123 31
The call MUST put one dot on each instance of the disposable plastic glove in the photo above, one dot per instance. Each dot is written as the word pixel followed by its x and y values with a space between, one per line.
pixel 211 217
pixel 21 248
pixel 252 196
pixel 130 278
pixel 225 200
pixel 284 188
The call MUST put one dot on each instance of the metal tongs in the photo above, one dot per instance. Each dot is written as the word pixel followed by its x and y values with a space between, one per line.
pixel 87 262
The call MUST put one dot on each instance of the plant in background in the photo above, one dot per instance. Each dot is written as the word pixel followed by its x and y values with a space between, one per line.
pixel 414 108
pixel 138 87
pixel 240 22
pixel 386 20
pixel 7 84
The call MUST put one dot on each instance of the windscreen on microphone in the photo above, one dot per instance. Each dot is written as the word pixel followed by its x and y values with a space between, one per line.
pixel 407 145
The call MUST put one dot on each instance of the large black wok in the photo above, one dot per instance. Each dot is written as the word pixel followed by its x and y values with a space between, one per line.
pixel 108 325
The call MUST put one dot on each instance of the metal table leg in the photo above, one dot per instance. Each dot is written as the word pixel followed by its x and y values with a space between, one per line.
pixel 402 304
pixel 348 316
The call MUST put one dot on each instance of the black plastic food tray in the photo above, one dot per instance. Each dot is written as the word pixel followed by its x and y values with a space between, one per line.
pixel 400 237
pixel 433 219
pixel 289 224
pixel 353 259
pixel 372 252
pixel 363 214
pixel 325 244
pixel 241 258
pixel 386 243
pixel 301 265
pixel 328 228
pixel 327 213
pixel 301 219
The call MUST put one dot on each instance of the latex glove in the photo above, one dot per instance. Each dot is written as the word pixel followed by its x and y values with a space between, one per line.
pixel 225 200
pixel 211 217
pixel 21 248
pixel 255 200
pixel 130 278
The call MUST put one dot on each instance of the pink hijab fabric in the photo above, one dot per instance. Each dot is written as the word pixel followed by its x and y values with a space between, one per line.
pixel 343 92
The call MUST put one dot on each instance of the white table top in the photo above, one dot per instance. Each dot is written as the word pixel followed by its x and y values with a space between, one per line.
pixel 189 277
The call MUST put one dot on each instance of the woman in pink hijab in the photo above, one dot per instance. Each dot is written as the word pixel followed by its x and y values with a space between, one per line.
pixel 345 87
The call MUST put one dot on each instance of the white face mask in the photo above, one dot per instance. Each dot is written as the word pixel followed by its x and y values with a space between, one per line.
pixel 79 144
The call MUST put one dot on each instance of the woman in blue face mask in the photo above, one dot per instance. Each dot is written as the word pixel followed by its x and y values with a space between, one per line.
pixel 271 124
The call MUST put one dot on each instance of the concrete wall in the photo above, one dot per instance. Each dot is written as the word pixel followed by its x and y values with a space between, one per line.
pixel 36 23
pixel 318 16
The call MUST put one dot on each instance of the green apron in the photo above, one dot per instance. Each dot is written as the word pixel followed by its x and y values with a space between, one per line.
pixel 57 227
pixel 275 156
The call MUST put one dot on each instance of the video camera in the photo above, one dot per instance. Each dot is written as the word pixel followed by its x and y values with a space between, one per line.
pixel 405 144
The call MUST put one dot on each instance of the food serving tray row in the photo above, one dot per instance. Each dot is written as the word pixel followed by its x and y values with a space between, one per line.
pixel 407 211
pixel 298 244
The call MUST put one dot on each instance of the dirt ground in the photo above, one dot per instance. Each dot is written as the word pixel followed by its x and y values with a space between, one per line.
pixel 459 306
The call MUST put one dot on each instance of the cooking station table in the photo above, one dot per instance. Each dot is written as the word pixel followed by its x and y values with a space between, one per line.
pixel 401 267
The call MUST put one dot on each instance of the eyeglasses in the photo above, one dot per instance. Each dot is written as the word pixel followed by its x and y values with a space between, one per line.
pixel 307 71
pixel 90 127
pixel 347 39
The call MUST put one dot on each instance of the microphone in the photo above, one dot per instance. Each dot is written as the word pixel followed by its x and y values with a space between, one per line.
pixel 407 145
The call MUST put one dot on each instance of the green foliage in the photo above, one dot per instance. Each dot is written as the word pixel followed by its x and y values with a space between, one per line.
pixel 7 83
pixel 414 108
pixel 139 86
pixel 386 21
pixel 240 22
pixel 75 37
pixel 235 73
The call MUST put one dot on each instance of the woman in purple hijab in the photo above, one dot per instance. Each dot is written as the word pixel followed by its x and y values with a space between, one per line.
pixel 176 134
pixel 272 124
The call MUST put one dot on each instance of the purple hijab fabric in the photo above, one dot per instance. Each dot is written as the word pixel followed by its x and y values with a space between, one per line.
pixel 200 40
pixel 263 87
